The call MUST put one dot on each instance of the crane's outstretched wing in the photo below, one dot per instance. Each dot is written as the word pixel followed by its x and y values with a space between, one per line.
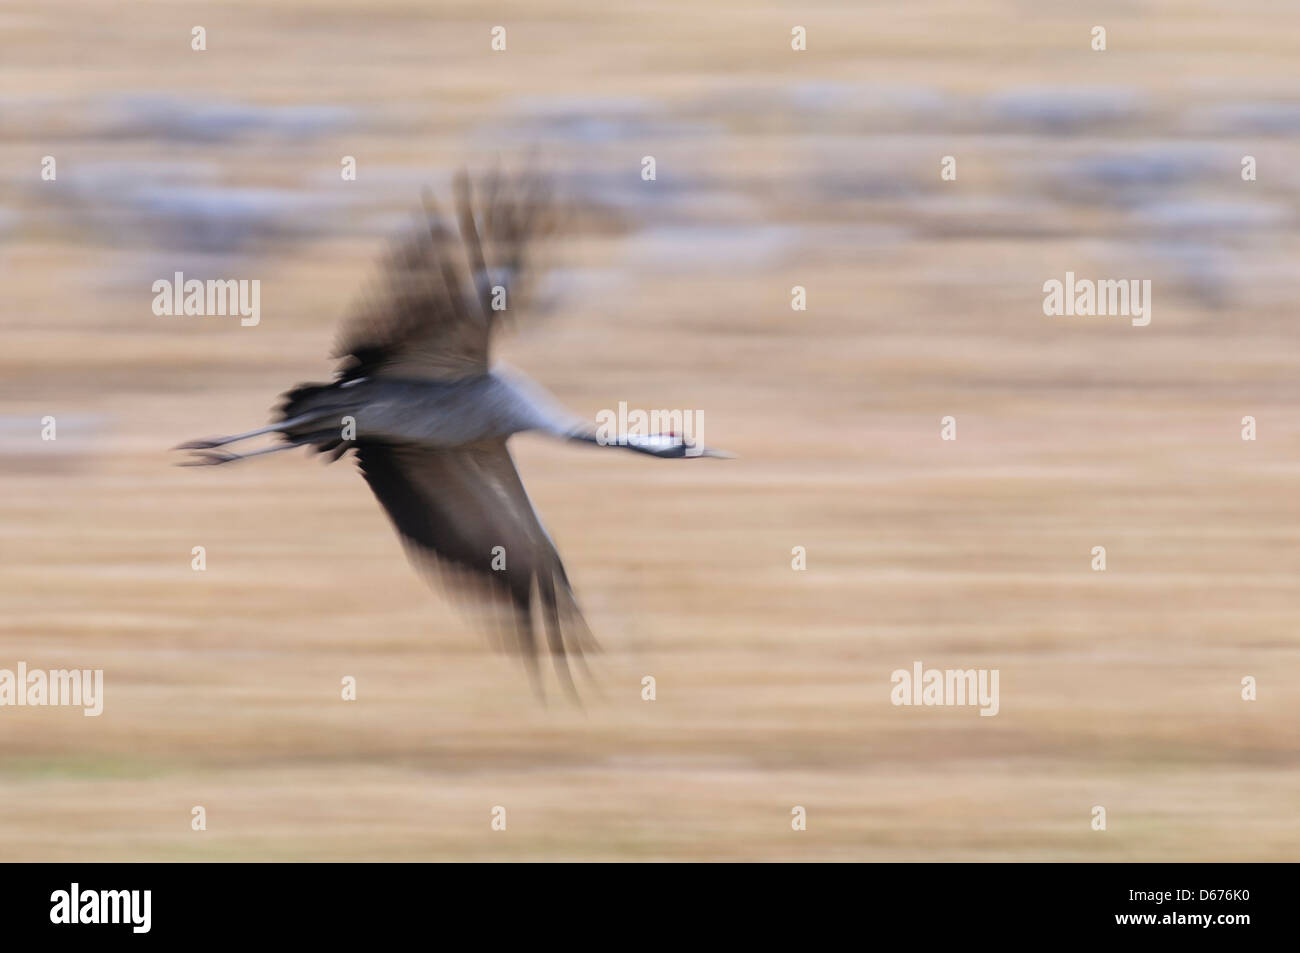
pixel 430 314
pixel 452 508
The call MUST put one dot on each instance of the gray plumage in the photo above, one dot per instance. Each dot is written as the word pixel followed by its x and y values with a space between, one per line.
pixel 428 417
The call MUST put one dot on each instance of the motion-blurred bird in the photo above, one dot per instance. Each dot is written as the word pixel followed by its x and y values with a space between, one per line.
pixel 431 417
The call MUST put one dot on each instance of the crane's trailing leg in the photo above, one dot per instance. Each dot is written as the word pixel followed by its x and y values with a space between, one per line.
pixel 278 427
pixel 214 458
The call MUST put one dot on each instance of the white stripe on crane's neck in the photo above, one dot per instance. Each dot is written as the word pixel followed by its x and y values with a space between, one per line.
pixel 654 441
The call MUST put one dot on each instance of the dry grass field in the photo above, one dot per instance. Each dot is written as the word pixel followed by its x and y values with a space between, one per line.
pixel 775 168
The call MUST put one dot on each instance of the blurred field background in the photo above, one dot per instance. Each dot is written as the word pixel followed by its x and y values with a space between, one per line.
pixel 775 169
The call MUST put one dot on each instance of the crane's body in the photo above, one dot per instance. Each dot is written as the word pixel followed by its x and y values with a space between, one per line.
pixel 442 414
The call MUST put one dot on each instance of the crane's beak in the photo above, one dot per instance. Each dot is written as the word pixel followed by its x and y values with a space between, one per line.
pixel 710 452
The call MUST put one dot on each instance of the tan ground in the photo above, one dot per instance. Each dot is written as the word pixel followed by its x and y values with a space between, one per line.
pixel 1119 689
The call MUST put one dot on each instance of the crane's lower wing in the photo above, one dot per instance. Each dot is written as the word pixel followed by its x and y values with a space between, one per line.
pixel 464 515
